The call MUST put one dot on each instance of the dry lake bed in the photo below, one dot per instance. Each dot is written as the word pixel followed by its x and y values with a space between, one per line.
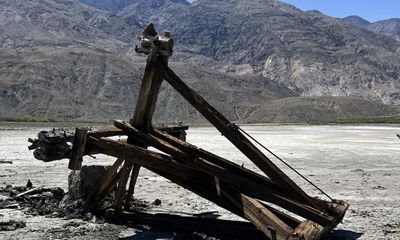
pixel 358 164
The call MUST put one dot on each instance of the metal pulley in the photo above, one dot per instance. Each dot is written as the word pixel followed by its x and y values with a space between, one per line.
pixel 149 39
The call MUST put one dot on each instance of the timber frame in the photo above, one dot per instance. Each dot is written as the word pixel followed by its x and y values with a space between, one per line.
pixel 255 197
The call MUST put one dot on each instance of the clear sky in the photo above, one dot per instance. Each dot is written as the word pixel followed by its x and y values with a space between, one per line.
pixel 371 10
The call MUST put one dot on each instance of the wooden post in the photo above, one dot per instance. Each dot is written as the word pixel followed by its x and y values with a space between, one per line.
pixel 78 149
pixel 148 93
pixel 120 195
pixel 131 189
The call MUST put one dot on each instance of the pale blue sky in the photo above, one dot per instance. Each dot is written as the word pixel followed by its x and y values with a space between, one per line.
pixel 371 10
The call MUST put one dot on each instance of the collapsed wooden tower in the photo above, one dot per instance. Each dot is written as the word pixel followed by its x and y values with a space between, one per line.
pixel 255 197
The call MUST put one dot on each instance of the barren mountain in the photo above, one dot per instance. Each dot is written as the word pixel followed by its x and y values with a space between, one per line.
pixel 77 83
pixel 319 109
pixel 390 27
pixel 62 23
pixel 356 21
pixel 64 59
pixel 109 5
pixel 156 11
pixel 312 54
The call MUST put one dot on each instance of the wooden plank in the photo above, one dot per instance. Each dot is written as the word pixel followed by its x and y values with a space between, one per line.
pixel 113 131
pixel 78 149
pixel 262 218
pixel 108 132
pixel 30 191
pixel 234 135
pixel 307 230
pixel 164 163
pixel 215 159
pixel 203 191
pixel 191 155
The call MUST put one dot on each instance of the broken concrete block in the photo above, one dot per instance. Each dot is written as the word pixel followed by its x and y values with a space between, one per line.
pixel 82 182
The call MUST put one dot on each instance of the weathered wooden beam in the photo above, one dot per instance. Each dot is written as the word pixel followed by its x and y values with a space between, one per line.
pixel 264 192
pixel 121 190
pixel 263 218
pixel 271 224
pixel 201 187
pixel 78 149
pixel 149 89
pixel 335 209
pixel 108 132
pixel 113 131
pixel 132 183
pixel 307 230
pixel 215 159
pixel 30 191
pixel 231 132
pixel 147 98
pixel 212 163
pixel 160 162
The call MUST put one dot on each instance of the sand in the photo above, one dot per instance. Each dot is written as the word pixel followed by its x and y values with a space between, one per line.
pixel 358 164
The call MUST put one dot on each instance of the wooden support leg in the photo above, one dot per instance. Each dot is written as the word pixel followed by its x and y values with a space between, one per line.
pixel 132 183
pixel 107 182
pixel 78 148
pixel 121 190
pixel 146 103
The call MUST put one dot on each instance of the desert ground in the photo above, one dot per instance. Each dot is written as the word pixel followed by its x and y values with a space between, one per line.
pixel 358 164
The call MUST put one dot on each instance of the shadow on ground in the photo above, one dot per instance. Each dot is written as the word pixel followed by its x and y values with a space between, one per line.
pixel 150 235
pixel 346 235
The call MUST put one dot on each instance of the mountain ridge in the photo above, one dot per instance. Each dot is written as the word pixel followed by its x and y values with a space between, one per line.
pixel 68 60
pixel 390 27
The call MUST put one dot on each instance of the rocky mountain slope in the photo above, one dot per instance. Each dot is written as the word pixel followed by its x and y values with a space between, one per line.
pixel 254 60
pixel 312 54
pixel 62 23
pixel 296 109
pixel 155 11
pixel 84 84
pixel 357 21
pixel 109 5
pixel 390 27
